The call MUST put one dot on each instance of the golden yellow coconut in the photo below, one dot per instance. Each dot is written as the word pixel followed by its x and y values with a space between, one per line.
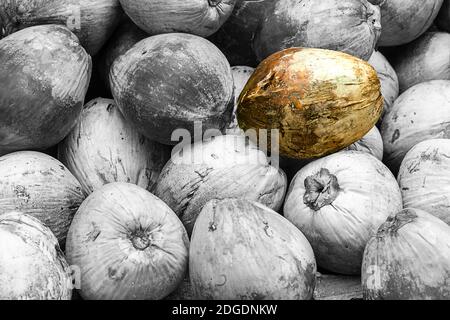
pixel 320 100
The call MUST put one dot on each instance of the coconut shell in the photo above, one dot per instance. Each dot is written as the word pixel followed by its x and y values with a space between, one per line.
pixel 388 78
pixel 320 100
pixel 93 21
pixel 39 185
pixel 45 75
pixel 405 20
pixel 199 17
pixel 104 148
pixel 128 245
pixel 235 37
pixel 408 259
pixel 443 19
pixel 425 59
pixel 242 250
pixel 351 26
pixel 125 36
pixel 168 82
pixel 420 113
pixel 338 202
pixel 371 143
pixel 225 167
pixel 32 265
pixel 424 178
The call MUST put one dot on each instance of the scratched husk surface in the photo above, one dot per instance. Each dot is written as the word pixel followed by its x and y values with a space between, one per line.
pixel 321 101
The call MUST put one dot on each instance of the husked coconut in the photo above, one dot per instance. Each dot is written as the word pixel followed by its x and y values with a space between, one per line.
pixel 236 35
pixel 170 81
pixel 104 148
pixel 388 79
pixel 44 76
pixel 228 166
pixel 320 101
pixel 242 250
pixel 338 202
pixel 443 19
pixel 241 74
pixel 425 59
pixel 421 113
pixel 93 21
pixel 200 17
pixel 351 26
pixel 125 37
pixel 128 245
pixel 41 186
pixel 408 259
pixel 32 265
pixel 424 178
pixel 405 20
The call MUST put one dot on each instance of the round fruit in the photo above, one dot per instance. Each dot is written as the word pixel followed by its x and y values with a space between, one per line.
pixel 128 244
pixel 242 250
pixel 338 202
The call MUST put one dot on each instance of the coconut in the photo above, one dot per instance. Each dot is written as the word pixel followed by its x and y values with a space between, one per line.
pixel 371 143
pixel 199 17
pixel 443 19
pixel 425 59
pixel 422 112
pixel 243 250
pixel 168 82
pixel 424 178
pixel 44 74
pixel 388 79
pixel 408 259
pixel 32 265
pixel 320 101
pixel 405 20
pixel 227 166
pixel 352 26
pixel 241 74
pixel 37 184
pixel 235 37
pixel 104 148
pixel 128 245
pixel 338 202
pixel 125 37
pixel 93 21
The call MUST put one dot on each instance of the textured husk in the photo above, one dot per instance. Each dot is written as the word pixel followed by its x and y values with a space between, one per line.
pixel 424 178
pixel 388 78
pixel 199 17
pixel 125 36
pixel 425 59
pixel 338 220
pixel 371 143
pixel 235 37
pixel 227 167
pixel 351 26
pixel 39 185
pixel 93 21
pixel 320 100
pixel 241 74
pixel 420 113
pixel 102 242
pixel 242 250
pixel 408 259
pixel 32 264
pixel 104 148
pixel 405 20
pixel 166 82
pixel 443 19
pixel 44 76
